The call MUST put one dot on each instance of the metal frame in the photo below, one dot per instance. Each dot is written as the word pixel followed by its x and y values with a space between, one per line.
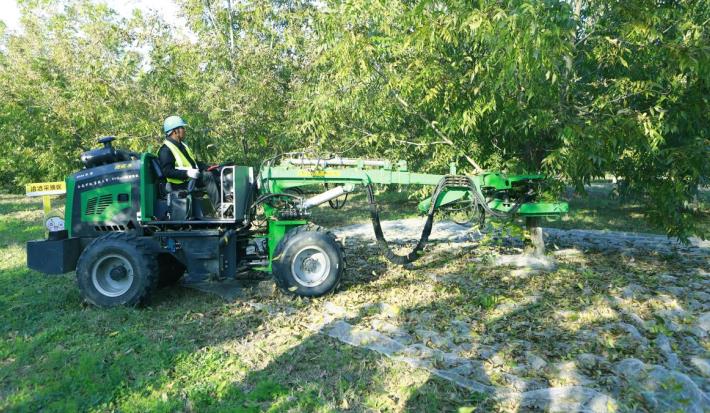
pixel 276 179
pixel 222 195
pixel 300 172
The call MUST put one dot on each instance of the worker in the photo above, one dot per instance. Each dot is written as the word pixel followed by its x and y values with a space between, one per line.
pixel 179 164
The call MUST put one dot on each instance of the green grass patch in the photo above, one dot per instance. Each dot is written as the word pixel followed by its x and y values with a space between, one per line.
pixel 188 351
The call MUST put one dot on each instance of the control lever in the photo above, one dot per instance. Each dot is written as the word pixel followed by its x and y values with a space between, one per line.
pixel 191 184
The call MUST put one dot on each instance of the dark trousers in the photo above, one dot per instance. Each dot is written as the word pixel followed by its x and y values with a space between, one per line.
pixel 208 183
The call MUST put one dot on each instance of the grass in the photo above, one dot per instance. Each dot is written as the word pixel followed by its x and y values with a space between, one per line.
pixel 191 351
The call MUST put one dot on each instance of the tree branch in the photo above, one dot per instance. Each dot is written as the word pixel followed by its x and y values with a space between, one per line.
pixel 213 22
pixel 418 143
pixel 445 139
pixel 436 130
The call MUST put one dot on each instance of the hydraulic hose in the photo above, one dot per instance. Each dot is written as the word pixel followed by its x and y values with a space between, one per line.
pixel 415 253
pixel 336 203
pixel 265 197
pixel 479 200
pixel 446 181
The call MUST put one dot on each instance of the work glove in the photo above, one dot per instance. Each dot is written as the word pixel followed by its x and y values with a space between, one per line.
pixel 193 173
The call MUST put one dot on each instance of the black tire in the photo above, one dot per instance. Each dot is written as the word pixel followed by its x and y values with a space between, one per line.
pixel 170 270
pixel 117 269
pixel 292 268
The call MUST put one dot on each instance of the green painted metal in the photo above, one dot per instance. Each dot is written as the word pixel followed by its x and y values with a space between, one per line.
pixel 532 209
pixel 447 197
pixel 279 177
pixel 500 181
pixel 289 177
pixel 276 179
pixel 277 230
pixel 113 206
pixel 68 208
pixel 520 178
pixel 148 189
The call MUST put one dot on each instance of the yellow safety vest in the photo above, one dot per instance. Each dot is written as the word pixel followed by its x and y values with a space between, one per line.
pixel 181 162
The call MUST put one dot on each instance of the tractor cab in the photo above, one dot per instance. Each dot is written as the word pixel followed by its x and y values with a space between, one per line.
pixel 120 190
pixel 179 206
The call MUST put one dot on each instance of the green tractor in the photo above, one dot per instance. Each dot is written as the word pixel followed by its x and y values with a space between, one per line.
pixel 126 231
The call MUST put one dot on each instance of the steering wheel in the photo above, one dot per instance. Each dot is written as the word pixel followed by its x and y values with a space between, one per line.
pixel 219 165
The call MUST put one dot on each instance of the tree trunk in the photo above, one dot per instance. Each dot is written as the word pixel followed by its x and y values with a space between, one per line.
pixel 537 243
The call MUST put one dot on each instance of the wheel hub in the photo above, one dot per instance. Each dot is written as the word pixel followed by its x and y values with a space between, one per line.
pixel 118 273
pixel 112 275
pixel 310 266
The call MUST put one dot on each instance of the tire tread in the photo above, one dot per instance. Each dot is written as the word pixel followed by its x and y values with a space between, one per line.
pixel 148 259
pixel 280 282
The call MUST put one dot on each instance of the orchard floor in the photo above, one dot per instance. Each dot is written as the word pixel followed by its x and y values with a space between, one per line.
pixel 471 326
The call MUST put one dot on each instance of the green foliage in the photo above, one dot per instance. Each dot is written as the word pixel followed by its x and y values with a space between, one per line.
pixel 578 89
pixel 80 71
pixel 488 301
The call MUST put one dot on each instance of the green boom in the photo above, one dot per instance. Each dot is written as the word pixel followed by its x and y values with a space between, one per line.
pixel 277 179
pixel 501 193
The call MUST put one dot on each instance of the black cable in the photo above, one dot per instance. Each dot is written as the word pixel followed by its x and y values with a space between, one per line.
pixel 468 205
pixel 265 197
pixel 335 203
pixel 447 181
pixel 423 239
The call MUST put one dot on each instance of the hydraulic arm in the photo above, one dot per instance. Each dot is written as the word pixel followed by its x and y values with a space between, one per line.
pixel 501 193
pixel 493 194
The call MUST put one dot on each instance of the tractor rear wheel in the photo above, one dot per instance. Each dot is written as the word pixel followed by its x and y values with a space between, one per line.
pixel 308 262
pixel 117 269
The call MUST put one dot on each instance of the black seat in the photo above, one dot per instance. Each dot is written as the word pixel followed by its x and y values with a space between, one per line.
pixel 187 205
pixel 171 204
pixel 179 204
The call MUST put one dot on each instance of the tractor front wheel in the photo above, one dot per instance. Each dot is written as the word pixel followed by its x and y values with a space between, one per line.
pixel 308 262
pixel 117 269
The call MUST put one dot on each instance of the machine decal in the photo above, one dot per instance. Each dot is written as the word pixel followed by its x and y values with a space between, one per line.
pixel 54 224
pixel 329 173
pixel 104 180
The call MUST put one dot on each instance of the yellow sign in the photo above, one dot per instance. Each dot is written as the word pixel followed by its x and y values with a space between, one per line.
pixel 45 188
